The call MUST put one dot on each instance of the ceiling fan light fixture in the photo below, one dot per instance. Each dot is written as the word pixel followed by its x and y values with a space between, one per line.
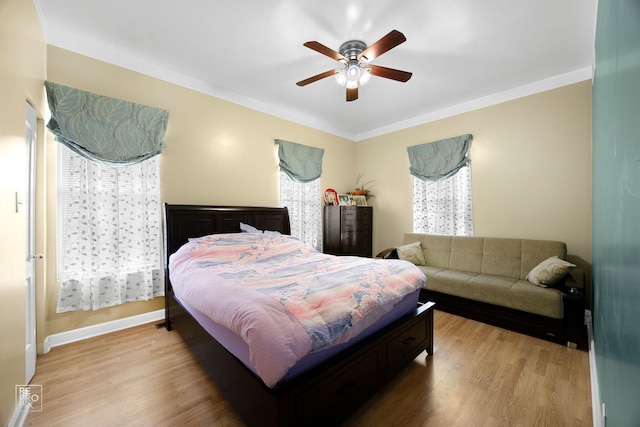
pixel 353 75
pixel 341 77
pixel 353 72
pixel 354 56
pixel 365 75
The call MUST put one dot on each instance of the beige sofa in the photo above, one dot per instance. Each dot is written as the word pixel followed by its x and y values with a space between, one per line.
pixel 491 279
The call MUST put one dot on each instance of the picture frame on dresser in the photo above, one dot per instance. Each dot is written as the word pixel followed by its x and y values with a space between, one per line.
pixel 330 197
pixel 359 200
pixel 344 200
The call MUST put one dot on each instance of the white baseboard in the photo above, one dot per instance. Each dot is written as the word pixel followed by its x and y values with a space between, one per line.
pixel 596 410
pixel 20 414
pixel 100 329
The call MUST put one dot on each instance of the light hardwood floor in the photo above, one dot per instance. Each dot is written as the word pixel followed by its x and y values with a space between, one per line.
pixel 479 375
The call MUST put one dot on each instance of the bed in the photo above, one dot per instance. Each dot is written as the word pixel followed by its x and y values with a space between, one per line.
pixel 327 385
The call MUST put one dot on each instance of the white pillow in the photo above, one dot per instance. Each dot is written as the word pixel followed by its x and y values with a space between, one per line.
pixel 549 272
pixel 246 228
pixel 412 252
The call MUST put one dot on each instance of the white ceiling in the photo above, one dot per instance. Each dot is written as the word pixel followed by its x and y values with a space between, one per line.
pixel 463 54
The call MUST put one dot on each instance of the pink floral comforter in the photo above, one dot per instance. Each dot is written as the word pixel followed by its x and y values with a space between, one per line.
pixel 284 298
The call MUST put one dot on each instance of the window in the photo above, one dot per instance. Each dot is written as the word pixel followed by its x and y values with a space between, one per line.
pixel 443 207
pixel 109 232
pixel 303 202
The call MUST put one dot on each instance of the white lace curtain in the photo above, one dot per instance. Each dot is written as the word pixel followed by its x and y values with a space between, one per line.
pixel 443 207
pixel 303 202
pixel 109 232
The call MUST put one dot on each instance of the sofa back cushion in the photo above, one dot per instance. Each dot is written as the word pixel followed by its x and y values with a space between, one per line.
pixel 487 255
pixel 466 254
pixel 436 249
pixel 501 257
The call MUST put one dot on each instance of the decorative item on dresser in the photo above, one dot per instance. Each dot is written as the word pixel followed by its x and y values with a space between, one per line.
pixel 347 230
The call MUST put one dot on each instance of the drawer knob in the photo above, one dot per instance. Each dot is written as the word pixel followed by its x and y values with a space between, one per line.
pixel 408 341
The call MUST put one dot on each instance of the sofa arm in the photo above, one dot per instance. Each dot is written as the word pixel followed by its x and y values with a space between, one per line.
pixel 574 281
pixel 574 305
pixel 387 254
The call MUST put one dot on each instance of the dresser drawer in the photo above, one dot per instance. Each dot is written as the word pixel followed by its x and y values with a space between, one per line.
pixel 356 212
pixel 361 251
pixel 356 222
pixel 354 239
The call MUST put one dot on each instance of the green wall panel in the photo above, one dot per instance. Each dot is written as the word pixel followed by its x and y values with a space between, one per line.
pixel 616 210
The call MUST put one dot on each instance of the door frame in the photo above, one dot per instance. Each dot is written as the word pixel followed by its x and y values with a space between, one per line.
pixel 31 141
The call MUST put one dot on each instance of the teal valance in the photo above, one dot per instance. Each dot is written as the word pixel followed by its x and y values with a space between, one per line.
pixel 104 129
pixel 441 159
pixel 301 162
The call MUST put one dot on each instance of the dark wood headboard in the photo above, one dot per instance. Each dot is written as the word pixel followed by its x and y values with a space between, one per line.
pixel 184 221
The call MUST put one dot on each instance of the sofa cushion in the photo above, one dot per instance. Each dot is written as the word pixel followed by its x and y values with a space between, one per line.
pixel 411 252
pixel 466 253
pixel 501 257
pixel 498 290
pixel 429 270
pixel 549 272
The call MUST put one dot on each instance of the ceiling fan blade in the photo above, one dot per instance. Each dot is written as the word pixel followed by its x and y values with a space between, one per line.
pixel 352 94
pixel 316 78
pixel 320 48
pixel 390 73
pixel 386 43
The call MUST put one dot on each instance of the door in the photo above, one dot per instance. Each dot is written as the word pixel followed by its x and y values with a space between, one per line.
pixel 31 346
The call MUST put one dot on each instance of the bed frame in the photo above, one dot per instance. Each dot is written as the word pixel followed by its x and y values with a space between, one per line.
pixel 324 395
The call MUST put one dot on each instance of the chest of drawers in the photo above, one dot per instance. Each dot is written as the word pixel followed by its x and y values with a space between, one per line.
pixel 347 230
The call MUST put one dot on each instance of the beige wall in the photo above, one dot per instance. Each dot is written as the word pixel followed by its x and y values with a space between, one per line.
pixel 218 153
pixel 22 71
pixel 531 170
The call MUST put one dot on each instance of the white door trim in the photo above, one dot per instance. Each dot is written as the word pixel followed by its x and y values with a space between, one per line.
pixel 31 123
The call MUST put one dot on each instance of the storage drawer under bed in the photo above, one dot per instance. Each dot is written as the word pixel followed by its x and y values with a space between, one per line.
pixel 349 385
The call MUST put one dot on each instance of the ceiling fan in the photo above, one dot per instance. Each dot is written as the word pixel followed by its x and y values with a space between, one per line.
pixel 355 57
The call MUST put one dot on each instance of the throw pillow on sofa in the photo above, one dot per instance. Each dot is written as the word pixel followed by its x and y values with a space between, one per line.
pixel 549 272
pixel 412 252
